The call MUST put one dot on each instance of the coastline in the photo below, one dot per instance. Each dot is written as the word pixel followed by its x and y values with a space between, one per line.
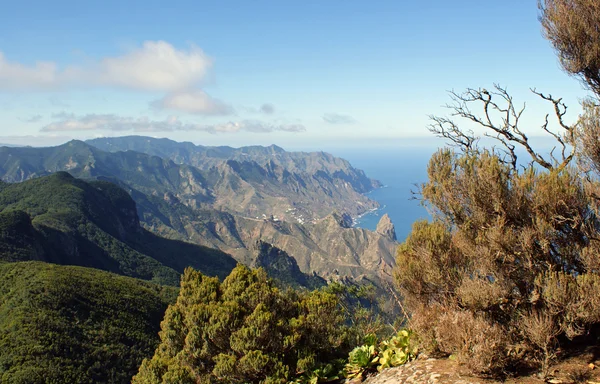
pixel 356 220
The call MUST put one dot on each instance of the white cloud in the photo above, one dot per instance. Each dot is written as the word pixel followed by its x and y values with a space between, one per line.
pixel 89 122
pixel 63 115
pixel 155 66
pixel 257 126
pixel 110 122
pixel 14 75
pixel 336 118
pixel 193 101
pixel 32 119
pixel 267 109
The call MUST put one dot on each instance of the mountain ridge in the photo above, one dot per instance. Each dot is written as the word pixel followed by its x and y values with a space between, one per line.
pixel 234 202
pixel 320 171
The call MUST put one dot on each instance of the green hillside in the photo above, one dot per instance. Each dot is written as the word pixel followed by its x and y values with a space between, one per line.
pixel 64 324
pixel 64 220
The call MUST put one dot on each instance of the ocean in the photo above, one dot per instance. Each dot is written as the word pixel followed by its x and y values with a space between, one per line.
pixel 400 170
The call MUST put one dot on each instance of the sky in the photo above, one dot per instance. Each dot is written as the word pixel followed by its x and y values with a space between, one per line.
pixel 299 74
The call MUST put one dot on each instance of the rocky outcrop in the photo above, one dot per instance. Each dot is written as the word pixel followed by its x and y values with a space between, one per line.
pixel 328 248
pixel 425 371
pixel 343 220
pixel 283 267
pixel 386 228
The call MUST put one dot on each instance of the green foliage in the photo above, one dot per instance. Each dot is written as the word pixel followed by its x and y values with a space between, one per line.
pixel 330 372
pixel 374 355
pixel 364 314
pixel 396 351
pixel 360 360
pixel 62 324
pixel 284 268
pixel 245 330
pixel 64 220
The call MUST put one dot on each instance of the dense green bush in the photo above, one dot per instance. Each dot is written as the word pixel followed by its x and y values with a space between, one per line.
pixel 245 330
pixel 64 324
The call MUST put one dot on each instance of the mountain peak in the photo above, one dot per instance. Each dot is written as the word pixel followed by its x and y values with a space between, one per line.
pixel 75 142
pixel 344 220
pixel 386 228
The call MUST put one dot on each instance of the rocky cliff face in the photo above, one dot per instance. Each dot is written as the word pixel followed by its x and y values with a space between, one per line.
pixel 386 228
pixel 270 158
pixel 328 248
pixel 255 181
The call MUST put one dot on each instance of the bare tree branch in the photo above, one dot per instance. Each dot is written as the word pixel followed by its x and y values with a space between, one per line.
pixel 501 117
pixel 446 128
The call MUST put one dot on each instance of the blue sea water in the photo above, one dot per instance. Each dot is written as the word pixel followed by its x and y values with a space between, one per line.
pixel 400 170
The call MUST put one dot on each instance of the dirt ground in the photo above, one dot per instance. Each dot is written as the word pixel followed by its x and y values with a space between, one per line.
pixel 583 367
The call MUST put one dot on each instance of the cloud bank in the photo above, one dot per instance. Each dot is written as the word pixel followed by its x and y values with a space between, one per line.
pixel 335 118
pixel 115 123
pixel 193 101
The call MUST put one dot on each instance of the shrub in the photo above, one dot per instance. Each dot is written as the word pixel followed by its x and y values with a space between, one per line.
pixel 245 330
pixel 476 342
pixel 509 264
pixel 503 243
pixel 377 356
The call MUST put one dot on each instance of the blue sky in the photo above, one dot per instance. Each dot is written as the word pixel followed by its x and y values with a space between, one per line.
pixel 293 73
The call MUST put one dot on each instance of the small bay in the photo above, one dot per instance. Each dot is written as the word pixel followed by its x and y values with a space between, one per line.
pixel 400 170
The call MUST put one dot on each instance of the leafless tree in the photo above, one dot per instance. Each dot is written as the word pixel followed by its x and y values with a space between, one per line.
pixel 501 117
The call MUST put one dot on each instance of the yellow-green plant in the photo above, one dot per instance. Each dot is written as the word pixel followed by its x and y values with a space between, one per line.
pixel 361 360
pixel 396 351
pixel 331 372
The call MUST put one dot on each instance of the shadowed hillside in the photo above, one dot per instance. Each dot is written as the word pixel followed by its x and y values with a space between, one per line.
pixel 64 220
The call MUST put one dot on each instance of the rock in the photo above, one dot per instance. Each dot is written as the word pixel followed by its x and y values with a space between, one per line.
pixel 343 220
pixel 386 228
pixel 282 266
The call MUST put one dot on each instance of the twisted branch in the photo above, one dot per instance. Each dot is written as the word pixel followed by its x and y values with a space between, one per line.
pixel 501 118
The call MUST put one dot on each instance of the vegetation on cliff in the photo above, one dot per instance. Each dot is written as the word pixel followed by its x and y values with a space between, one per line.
pixel 64 220
pixel 63 324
